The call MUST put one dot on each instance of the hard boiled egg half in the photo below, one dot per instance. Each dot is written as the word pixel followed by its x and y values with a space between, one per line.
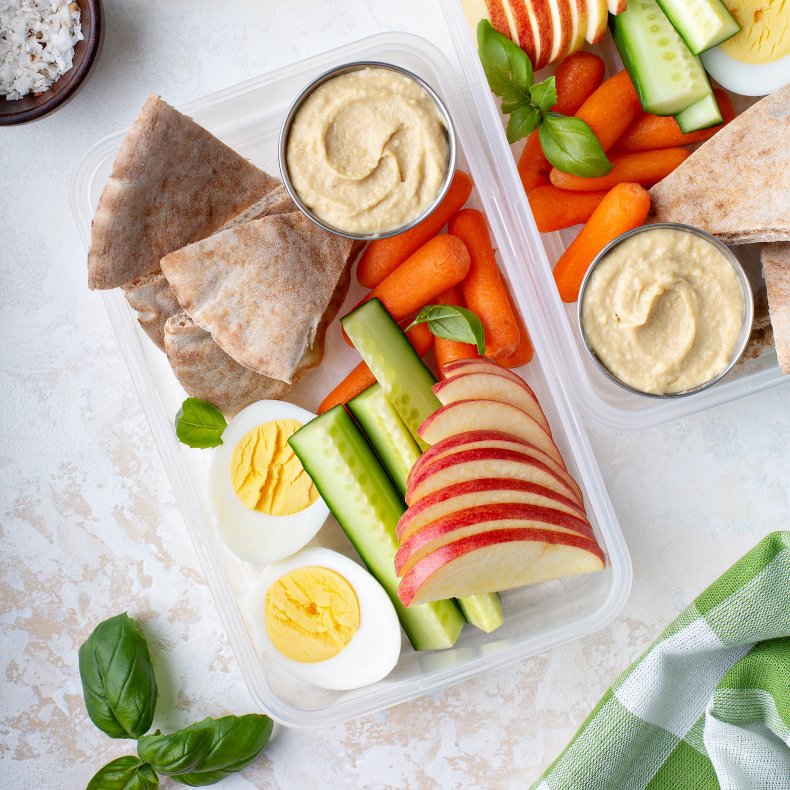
pixel 326 620
pixel 265 503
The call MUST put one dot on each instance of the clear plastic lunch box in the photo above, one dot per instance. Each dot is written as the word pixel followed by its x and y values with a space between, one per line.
pixel 597 396
pixel 248 117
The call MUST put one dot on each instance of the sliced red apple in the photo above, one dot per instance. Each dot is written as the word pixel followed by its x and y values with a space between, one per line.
pixel 475 493
pixel 529 32
pixel 490 440
pixel 562 26
pixel 491 386
pixel 597 18
pixel 485 518
pixel 617 6
pixel 498 560
pixel 487 415
pixel 479 464
pixel 579 22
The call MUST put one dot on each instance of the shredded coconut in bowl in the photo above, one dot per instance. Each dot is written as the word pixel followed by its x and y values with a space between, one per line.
pixel 37 40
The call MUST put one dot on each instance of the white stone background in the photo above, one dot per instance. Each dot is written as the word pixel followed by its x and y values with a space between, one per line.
pixel 90 527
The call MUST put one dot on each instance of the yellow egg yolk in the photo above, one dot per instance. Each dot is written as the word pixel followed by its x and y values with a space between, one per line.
pixel 764 35
pixel 267 475
pixel 311 614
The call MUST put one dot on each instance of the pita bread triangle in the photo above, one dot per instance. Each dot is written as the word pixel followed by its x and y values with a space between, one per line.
pixel 172 183
pixel 736 186
pixel 260 288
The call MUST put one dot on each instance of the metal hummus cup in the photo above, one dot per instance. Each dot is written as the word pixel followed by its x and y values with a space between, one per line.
pixel 326 77
pixel 748 306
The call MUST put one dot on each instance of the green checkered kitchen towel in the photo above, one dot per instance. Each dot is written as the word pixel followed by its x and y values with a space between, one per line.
pixel 708 705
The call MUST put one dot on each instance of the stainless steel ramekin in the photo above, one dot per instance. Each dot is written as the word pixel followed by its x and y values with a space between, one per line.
pixel 748 306
pixel 336 72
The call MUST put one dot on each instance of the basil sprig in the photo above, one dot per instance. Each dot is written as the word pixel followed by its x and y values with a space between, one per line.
pixel 453 323
pixel 118 678
pixel 208 751
pixel 200 424
pixel 125 773
pixel 568 142
pixel 120 691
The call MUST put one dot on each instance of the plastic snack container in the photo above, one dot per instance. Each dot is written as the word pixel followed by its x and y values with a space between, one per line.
pixel 598 396
pixel 248 117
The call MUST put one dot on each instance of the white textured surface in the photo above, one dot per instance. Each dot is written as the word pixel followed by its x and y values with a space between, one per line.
pixel 89 527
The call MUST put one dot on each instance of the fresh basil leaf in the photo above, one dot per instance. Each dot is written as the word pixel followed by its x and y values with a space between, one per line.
pixel 233 743
pixel 544 94
pixel 522 122
pixel 118 678
pixel 200 424
pixel 125 773
pixel 181 752
pixel 507 67
pixel 571 146
pixel 453 323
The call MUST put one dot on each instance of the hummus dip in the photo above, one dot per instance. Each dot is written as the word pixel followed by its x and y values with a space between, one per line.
pixel 663 311
pixel 368 151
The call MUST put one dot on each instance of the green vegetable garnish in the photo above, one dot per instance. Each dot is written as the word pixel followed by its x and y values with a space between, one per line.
pixel 453 323
pixel 568 142
pixel 125 773
pixel 200 424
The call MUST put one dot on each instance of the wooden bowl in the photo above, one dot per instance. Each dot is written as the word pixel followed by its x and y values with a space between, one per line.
pixel 37 105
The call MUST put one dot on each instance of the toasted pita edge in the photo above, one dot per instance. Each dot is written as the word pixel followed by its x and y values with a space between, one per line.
pixel 776 271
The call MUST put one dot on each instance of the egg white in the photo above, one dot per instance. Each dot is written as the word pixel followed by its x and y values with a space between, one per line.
pixel 250 534
pixel 374 648
pixel 748 79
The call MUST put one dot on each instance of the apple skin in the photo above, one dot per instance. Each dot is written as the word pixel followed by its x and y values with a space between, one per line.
pixel 486 518
pixel 617 6
pixel 529 34
pixel 490 440
pixel 562 24
pixel 579 20
pixel 491 386
pixel 485 491
pixel 496 561
pixel 486 415
pixel 597 19
pixel 472 464
pixel 478 365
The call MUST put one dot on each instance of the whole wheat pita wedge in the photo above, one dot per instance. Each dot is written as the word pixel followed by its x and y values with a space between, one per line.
pixel 736 186
pixel 776 271
pixel 172 183
pixel 207 372
pixel 260 288
pixel 153 298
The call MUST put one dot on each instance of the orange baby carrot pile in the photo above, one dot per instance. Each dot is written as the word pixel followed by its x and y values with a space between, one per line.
pixel 642 167
pixel 383 256
pixel 623 209
pixel 575 79
pixel 361 377
pixel 438 265
pixel 451 350
pixel 650 132
pixel 483 289
pixel 555 209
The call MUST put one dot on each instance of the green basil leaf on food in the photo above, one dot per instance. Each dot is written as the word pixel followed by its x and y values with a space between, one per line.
pixel 522 122
pixel 200 424
pixel 118 679
pixel 453 323
pixel 235 742
pixel 507 67
pixel 181 752
pixel 125 773
pixel 571 146
pixel 544 94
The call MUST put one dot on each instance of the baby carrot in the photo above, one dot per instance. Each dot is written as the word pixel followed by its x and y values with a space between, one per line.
pixel 650 132
pixel 436 266
pixel 483 289
pixel 624 208
pixel 611 109
pixel 383 256
pixel 451 350
pixel 555 208
pixel 360 378
pixel 523 353
pixel 642 167
pixel 575 79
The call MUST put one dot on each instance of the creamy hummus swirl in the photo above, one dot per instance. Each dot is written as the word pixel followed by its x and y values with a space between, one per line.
pixel 663 311
pixel 367 151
